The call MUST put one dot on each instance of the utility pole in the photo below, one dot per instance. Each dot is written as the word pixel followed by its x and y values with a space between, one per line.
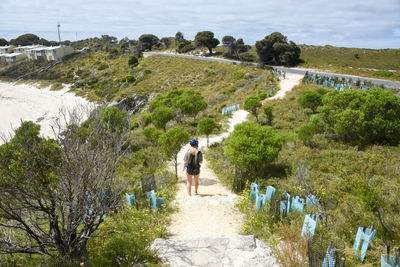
pixel 59 37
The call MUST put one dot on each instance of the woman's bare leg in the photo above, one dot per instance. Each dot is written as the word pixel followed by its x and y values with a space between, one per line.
pixel 196 182
pixel 189 184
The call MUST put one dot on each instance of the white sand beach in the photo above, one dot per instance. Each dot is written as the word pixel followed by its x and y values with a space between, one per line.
pixel 23 102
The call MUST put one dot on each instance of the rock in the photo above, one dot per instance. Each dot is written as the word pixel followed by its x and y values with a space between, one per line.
pixel 207 251
pixel 130 104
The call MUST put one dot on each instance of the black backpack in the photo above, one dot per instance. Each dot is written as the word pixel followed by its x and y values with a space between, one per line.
pixel 193 166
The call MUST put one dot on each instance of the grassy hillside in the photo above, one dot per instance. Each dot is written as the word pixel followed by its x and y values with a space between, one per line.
pixel 100 76
pixel 357 61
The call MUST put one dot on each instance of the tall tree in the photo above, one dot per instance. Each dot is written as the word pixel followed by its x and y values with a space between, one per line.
pixel 183 45
pixel 147 41
pixel 161 116
pixel 231 43
pixel 190 103
pixel 206 126
pixel 3 42
pixel 166 42
pixel 275 49
pixel 206 39
pixel 25 39
pixel 252 105
pixel 171 142
pixel 242 48
pixel 54 193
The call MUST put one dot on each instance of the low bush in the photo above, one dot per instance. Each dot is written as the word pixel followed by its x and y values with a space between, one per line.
pixel 247 57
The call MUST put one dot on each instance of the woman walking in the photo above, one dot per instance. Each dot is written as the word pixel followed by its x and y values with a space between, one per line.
pixel 191 162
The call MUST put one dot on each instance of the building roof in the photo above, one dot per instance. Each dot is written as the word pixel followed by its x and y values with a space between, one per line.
pixel 6 46
pixel 53 47
pixel 13 54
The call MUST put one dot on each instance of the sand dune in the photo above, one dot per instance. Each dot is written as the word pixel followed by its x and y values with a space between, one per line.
pixel 22 102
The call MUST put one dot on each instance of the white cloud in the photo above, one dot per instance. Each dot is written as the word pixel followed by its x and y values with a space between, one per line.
pixel 365 23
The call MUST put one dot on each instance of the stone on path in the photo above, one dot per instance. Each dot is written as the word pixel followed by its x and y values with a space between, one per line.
pixel 208 251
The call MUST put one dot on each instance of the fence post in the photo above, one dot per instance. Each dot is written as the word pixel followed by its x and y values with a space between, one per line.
pixel 342 262
pixel 397 257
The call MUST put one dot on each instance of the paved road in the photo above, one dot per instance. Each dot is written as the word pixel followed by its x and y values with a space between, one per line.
pixel 302 71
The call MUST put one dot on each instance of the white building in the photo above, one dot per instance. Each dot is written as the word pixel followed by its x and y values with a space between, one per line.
pixel 50 53
pixel 57 52
pixel 37 53
pixel 6 49
pixel 14 57
pixel 24 49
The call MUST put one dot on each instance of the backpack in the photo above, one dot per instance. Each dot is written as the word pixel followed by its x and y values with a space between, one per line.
pixel 193 166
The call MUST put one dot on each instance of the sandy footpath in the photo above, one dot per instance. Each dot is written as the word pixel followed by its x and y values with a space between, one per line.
pixel 28 103
pixel 213 212
pixel 291 80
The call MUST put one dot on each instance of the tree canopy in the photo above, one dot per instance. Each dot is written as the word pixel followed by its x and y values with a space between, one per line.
pixel 147 41
pixel 206 126
pixel 25 39
pixel 311 99
pixel 182 44
pixel 190 103
pixel 3 42
pixel 275 49
pixel 161 116
pixel 206 39
pixel 362 117
pixel 252 104
pixel 171 142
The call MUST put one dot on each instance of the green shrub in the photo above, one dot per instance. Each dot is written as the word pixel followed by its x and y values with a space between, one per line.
pixel 229 91
pixel 262 96
pixel 115 118
pixel 130 78
pixel 311 100
pixel 371 117
pixel 102 66
pixel 132 61
pixel 247 57
pixel 384 73
pixel 251 146
pixel 131 233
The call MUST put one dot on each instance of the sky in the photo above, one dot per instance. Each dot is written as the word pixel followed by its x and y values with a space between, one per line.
pixel 346 23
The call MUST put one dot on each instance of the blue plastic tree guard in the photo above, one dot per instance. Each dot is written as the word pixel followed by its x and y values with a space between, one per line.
pixel 270 192
pixel 130 199
pixel 260 202
pixel 391 263
pixel 363 237
pixel 155 202
pixel 297 204
pixel 229 109
pixel 255 188
pixel 309 225
pixel 329 260
pixel 311 200
pixel 284 207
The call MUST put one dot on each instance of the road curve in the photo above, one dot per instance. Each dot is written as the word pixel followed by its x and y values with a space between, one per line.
pixel 386 83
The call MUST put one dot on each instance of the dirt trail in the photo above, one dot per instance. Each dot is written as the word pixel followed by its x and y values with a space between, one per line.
pixel 212 212
pixel 286 85
pixel 206 229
